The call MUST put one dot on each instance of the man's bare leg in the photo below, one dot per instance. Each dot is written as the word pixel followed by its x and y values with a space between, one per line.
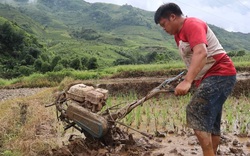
pixel 216 142
pixel 205 140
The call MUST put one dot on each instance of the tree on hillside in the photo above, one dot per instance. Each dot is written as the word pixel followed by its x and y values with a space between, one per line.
pixel 58 67
pixel 34 52
pixel 44 57
pixel 92 64
pixel 55 61
pixel 25 70
pixel 11 40
pixel 65 62
pixel 241 53
pixel 121 61
pixel 19 51
pixel 236 53
pixel 151 57
pixel 45 67
pixel 29 59
pixel 84 61
pixel 76 63
pixel 38 64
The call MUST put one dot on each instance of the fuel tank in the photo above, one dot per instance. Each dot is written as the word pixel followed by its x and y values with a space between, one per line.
pixel 92 123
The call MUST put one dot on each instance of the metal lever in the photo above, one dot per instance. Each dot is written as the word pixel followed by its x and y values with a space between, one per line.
pixel 122 112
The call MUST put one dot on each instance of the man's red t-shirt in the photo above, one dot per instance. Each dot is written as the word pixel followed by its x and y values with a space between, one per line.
pixel 194 32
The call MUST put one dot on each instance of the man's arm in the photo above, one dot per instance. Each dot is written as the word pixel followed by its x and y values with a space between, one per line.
pixel 198 61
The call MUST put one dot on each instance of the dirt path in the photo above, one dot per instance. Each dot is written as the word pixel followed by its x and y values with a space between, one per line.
pixel 6 94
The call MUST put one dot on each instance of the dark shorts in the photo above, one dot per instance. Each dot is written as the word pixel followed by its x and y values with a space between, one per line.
pixel 205 108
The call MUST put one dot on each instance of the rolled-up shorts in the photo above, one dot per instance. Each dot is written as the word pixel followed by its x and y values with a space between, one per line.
pixel 204 111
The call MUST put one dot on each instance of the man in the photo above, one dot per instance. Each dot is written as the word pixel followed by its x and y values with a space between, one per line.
pixel 209 68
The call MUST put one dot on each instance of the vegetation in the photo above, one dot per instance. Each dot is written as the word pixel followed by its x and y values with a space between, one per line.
pixel 53 78
pixel 18 51
pixel 54 42
pixel 53 36
pixel 29 128
pixel 163 115
pixel 78 43
pixel 21 126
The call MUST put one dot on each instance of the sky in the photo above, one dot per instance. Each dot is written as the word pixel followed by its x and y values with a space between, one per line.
pixel 232 15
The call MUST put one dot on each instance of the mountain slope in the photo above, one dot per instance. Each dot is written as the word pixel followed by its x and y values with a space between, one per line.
pixel 18 50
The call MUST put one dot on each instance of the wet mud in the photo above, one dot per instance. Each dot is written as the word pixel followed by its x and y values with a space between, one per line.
pixel 183 143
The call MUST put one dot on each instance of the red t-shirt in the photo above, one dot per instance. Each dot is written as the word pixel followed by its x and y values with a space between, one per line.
pixel 194 32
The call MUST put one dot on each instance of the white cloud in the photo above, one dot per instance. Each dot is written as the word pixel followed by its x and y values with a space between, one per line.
pixel 32 1
pixel 232 15
pixel 227 16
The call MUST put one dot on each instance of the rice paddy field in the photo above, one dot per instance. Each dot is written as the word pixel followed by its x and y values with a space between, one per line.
pixel 30 128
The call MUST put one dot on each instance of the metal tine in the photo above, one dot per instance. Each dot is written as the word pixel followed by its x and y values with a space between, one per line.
pixel 168 81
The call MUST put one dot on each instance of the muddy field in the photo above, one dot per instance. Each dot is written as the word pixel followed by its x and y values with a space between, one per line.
pixel 168 143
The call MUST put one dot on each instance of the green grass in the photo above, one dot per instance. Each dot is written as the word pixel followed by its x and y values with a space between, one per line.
pixel 4 82
pixel 54 78
pixel 145 67
pixel 242 64
pixel 168 113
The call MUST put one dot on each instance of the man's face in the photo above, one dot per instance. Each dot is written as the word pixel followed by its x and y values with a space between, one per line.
pixel 167 25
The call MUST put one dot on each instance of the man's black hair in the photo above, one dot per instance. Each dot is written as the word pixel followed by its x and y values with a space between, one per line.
pixel 165 10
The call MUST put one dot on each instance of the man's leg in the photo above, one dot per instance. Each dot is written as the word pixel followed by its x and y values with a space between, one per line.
pixel 216 142
pixel 227 89
pixel 205 109
pixel 205 140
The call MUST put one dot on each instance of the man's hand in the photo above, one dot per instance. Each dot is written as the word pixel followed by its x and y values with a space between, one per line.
pixel 182 88
pixel 198 61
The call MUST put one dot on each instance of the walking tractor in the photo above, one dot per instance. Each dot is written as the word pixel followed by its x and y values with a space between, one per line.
pixel 80 107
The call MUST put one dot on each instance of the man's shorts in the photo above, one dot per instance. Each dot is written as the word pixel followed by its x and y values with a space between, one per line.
pixel 205 108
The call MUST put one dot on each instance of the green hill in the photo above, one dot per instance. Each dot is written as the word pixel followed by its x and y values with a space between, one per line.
pixel 18 50
pixel 81 35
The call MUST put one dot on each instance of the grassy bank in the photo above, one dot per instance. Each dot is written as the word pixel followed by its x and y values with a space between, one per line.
pixel 54 78
pixel 50 79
